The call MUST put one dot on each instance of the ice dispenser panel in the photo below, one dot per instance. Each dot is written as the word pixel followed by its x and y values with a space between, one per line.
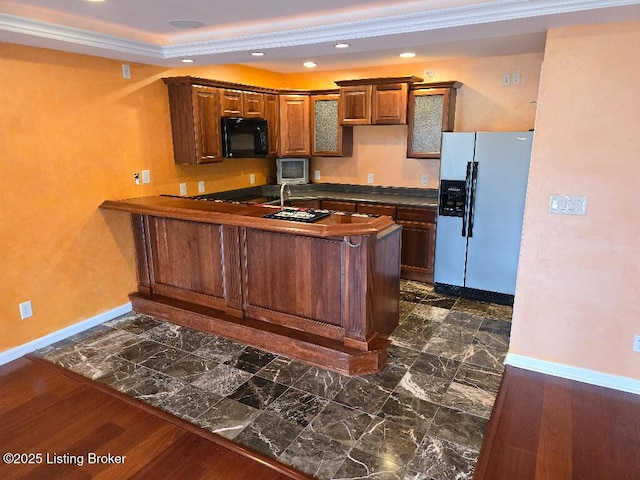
pixel 453 197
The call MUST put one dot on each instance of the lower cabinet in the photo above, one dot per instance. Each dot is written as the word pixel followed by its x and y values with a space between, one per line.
pixel 418 242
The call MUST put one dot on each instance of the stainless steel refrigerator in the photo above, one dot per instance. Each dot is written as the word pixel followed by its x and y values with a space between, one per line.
pixel 483 185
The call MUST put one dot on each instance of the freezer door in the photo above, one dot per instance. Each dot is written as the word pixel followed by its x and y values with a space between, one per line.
pixel 451 246
pixel 493 249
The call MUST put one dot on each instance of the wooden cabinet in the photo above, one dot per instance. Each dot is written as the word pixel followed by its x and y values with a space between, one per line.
pixel 389 104
pixel 328 137
pixel 418 242
pixel 239 103
pixel 356 105
pixel 339 205
pixel 431 112
pixel 294 126
pixel 312 203
pixel 195 123
pixel 271 109
pixel 375 101
pixel 377 209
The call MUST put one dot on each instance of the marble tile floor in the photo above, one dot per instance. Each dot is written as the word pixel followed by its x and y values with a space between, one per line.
pixel 422 418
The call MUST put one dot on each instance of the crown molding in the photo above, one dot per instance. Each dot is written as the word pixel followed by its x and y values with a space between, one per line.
pixel 425 20
pixel 78 36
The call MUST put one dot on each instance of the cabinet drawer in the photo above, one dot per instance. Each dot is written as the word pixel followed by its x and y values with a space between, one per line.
pixel 415 214
pixel 339 206
pixel 304 203
pixel 376 209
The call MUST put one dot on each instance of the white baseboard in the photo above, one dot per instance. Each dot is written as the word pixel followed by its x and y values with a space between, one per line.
pixel 583 375
pixel 17 352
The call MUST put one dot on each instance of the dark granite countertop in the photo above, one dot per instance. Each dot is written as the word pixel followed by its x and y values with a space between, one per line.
pixel 418 197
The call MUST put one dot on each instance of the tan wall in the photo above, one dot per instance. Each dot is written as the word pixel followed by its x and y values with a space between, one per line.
pixel 482 104
pixel 577 292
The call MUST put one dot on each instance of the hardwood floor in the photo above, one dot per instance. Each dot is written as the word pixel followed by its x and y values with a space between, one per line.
pixel 65 419
pixel 548 428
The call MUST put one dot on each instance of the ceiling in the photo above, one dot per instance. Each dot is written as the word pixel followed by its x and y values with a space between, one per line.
pixel 290 32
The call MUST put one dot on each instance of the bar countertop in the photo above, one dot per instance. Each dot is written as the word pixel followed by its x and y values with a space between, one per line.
pixel 249 215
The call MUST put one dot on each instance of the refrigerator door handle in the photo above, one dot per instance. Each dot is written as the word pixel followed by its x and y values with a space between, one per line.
pixel 466 201
pixel 472 200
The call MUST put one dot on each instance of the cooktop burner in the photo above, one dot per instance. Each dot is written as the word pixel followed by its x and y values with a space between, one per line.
pixel 306 216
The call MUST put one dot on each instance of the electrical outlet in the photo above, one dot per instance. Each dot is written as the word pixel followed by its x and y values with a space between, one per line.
pixel 506 79
pixel 515 78
pixel 201 186
pixel 369 177
pixel 636 343
pixel 126 71
pixel 429 73
pixel 136 178
pixel 25 310
pixel 183 189
pixel 424 180
pixel 316 175
pixel 146 176
pixel 252 179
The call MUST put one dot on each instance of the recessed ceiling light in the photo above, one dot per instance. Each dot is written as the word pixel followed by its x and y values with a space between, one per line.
pixel 407 55
pixel 187 60
pixel 310 64
pixel 186 24
pixel 342 45
pixel 257 54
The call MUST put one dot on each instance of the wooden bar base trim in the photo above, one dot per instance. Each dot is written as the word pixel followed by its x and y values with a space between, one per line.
pixel 306 347
pixel 277 467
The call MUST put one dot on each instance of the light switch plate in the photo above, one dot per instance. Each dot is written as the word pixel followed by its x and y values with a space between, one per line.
pixel 568 204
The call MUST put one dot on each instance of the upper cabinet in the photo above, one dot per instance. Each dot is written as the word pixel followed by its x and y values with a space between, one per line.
pixel 239 103
pixel 271 114
pixel 294 126
pixel 195 123
pixel 431 112
pixel 375 101
pixel 356 105
pixel 197 105
pixel 305 123
pixel 328 137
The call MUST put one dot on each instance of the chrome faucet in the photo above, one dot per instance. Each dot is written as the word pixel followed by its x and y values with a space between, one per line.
pixel 284 184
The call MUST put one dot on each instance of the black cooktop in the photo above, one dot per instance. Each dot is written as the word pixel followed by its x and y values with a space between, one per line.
pixel 306 216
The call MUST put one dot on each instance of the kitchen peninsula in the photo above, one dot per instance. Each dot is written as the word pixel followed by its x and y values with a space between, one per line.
pixel 326 293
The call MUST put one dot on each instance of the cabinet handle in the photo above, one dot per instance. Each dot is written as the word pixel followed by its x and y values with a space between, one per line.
pixel 352 245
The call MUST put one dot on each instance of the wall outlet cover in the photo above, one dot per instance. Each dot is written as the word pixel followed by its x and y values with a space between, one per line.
pixel 316 175
pixel 25 310
pixel 201 186
pixel 424 180
pixel 568 204
pixel 252 179
pixel 636 343
pixel 183 189
pixel 146 176
pixel 369 177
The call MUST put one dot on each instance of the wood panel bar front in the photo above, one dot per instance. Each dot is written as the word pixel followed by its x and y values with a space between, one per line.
pixel 325 293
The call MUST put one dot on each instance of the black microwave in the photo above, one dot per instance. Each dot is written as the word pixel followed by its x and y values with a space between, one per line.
pixel 244 137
